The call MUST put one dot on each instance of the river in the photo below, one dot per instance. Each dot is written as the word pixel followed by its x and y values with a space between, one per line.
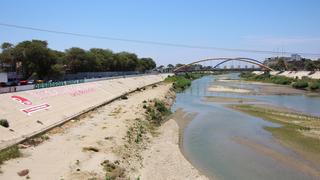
pixel 209 140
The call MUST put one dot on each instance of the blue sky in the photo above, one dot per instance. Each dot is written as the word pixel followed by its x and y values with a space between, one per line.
pixel 276 25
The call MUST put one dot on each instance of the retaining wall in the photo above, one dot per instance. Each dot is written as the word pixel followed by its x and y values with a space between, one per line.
pixel 293 74
pixel 34 111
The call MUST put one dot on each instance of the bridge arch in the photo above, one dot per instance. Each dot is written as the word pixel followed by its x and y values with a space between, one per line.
pixel 248 60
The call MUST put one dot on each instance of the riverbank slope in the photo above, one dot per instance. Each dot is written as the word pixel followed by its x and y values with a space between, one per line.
pixel 95 146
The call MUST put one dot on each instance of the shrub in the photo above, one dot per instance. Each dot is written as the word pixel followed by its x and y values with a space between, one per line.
pixel 281 80
pixel 314 85
pixel 300 84
pixel 157 111
pixel 9 153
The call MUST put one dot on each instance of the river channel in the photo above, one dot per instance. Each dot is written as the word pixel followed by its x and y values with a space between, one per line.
pixel 209 139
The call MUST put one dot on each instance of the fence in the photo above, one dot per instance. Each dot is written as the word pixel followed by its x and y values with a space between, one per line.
pixel 112 75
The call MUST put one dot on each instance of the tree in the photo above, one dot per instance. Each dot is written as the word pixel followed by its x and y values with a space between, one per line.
pixel 279 66
pixel 75 60
pixel 6 57
pixel 104 58
pixel 310 66
pixel 146 64
pixel 35 57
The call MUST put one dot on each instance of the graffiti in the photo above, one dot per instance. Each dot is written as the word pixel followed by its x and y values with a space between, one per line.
pixel 72 90
pixel 33 109
pixel 21 100
pixel 60 83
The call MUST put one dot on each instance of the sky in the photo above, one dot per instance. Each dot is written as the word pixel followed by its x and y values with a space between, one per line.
pixel 272 25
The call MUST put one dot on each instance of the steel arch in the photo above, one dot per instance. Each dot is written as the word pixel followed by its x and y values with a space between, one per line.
pixel 248 60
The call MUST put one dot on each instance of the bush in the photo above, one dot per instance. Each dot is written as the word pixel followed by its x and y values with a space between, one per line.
pixel 157 111
pixel 4 123
pixel 180 83
pixel 314 85
pixel 9 153
pixel 300 84
pixel 281 80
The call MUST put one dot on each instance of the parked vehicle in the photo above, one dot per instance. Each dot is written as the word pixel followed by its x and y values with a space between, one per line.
pixel 23 82
pixel 31 81
pixel 3 84
pixel 12 83
pixel 39 81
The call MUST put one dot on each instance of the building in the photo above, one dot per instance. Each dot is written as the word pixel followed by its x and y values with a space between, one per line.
pixel 295 57
pixel 274 60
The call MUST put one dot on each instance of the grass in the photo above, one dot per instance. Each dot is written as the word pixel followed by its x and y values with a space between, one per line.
pixel 156 112
pixel 136 133
pixel 9 153
pixel 181 82
pixel 296 130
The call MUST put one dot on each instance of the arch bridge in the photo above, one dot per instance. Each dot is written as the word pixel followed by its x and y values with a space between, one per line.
pixel 197 65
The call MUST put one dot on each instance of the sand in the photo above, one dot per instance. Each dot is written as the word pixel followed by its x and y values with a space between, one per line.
pixel 227 89
pixel 217 99
pixel 164 159
pixel 63 155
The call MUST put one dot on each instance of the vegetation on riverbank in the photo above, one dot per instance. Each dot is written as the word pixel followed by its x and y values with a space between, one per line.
pixel 298 131
pixel 304 83
pixel 181 82
pixel 9 153
pixel 139 132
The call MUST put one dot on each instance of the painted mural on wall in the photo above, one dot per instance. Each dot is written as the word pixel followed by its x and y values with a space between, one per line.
pixel 59 83
pixel 30 109
pixel 71 90
pixel 36 108
pixel 21 100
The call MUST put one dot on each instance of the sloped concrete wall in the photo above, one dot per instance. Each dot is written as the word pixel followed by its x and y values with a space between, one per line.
pixel 293 74
pixel 31 112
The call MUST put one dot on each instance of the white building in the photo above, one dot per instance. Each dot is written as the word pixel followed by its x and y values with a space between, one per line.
pixel 296 57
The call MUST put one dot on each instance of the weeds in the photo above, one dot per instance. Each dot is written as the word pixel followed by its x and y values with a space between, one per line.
pixel 112 170
pixel 9 153
pixel 156 112
pixel 181 82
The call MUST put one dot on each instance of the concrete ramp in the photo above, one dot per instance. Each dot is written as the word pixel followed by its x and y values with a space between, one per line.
pixel 34 111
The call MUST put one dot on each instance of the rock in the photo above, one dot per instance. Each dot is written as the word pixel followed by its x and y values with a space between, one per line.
pixel 23 172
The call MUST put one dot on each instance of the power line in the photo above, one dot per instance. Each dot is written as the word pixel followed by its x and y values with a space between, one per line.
pixel 153 42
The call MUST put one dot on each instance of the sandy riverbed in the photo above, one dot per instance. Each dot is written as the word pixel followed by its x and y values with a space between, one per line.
pixel 227 89
pixel 65 154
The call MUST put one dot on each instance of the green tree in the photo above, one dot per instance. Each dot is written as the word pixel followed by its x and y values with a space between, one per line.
pixel 75 58
pixel 146 64
pixel 280 65
pixel 104 58
pixel 35 57
pixel 6 57
pixel 310 66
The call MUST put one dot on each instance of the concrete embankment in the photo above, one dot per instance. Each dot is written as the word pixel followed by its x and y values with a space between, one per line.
pixel 294 74
pixel 32 112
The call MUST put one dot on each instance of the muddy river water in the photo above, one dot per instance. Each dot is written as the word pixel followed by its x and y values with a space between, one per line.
pixel 227 144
